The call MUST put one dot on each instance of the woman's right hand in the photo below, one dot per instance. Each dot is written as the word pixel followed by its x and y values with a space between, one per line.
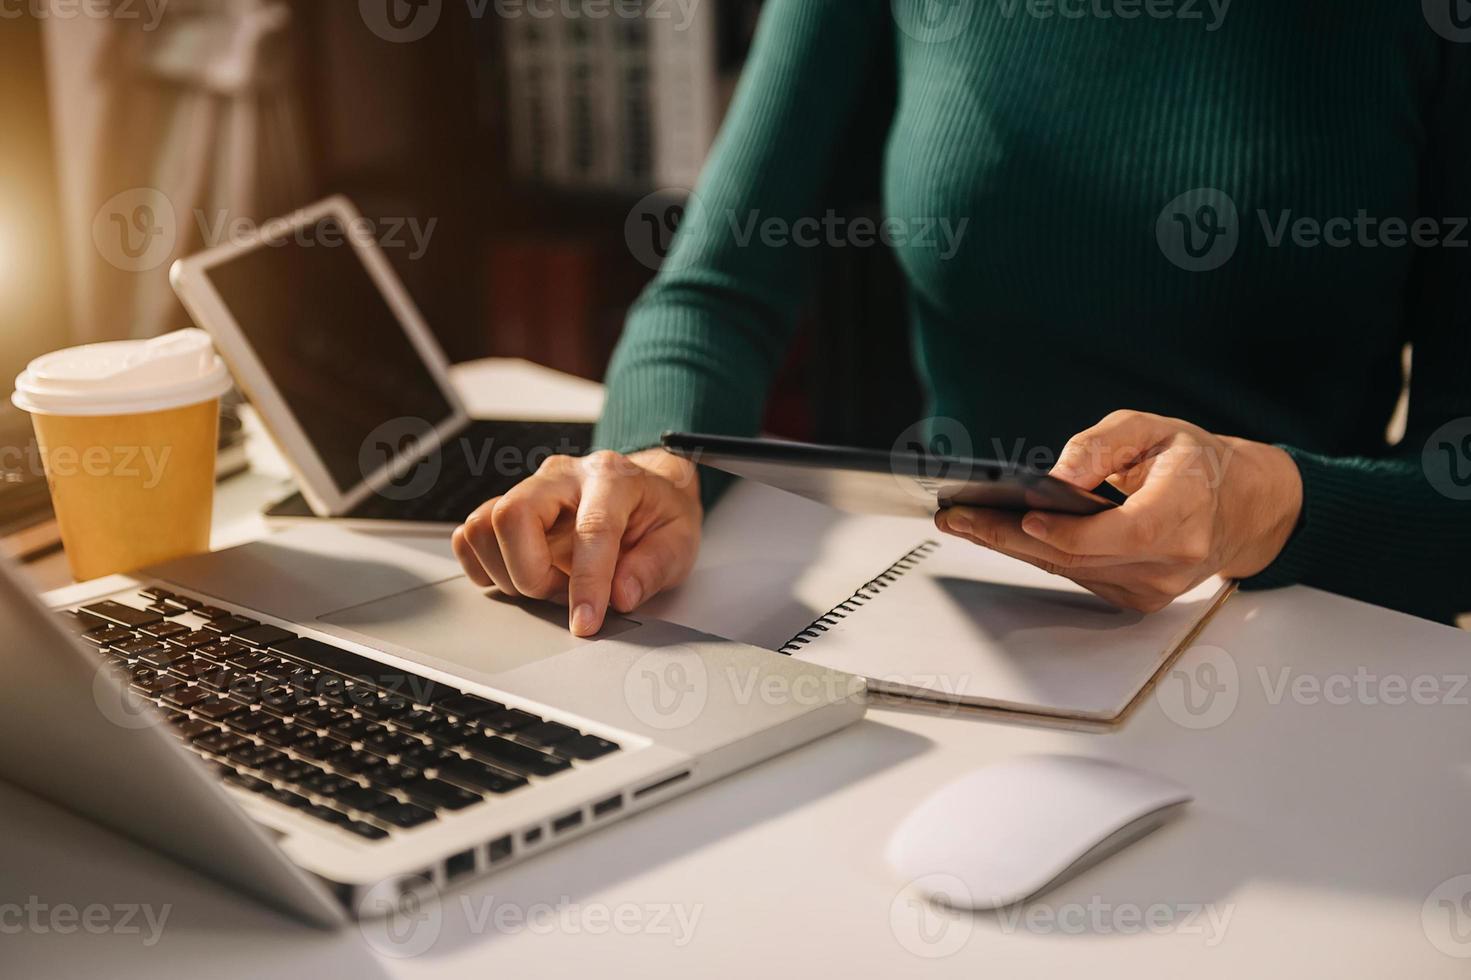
pixel 587 531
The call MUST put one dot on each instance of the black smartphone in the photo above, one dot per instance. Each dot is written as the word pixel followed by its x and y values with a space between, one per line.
pixel 869 481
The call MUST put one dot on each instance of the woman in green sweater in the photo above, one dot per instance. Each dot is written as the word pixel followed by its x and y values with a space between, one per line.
pixel 1196 240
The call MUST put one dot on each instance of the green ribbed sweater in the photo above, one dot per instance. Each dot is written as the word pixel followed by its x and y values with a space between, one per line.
pixel 1061 142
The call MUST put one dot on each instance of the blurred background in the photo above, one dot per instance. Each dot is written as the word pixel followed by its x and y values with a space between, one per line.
pixel 516 150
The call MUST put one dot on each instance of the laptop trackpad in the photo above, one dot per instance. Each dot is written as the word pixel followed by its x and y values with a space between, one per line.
pixel 454 624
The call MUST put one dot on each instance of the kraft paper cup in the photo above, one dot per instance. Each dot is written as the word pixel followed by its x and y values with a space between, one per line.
pixel 127 433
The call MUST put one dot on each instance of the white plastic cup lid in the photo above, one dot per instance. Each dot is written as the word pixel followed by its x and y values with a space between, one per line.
pixel 124 377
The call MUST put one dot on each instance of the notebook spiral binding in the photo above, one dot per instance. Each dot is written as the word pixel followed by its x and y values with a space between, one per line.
pixel 865 594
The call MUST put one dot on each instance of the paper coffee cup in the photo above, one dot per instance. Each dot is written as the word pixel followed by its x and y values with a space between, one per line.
pixel 127 433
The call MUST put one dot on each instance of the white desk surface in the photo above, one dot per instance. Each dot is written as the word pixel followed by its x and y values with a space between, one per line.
pixel 1329 836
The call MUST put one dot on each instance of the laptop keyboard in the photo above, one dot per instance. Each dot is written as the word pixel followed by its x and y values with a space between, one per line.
pixel 350 741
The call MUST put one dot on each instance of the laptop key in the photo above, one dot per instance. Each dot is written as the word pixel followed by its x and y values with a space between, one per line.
pixel 507 721
pixel 364 798
pixel 121 615
pixel 164 610
pixel 435 794
pixel 183 602
pixel 262 635
pixel 194 638
pixel 292 770
pixel 250 722
pixel 157 657
pixel 247 781
pixel 156 593
pixel 383 708
pixel 366 830
pixel 218 709
pixel 520 759
pixel 230 624
pixel 473 775
pixel 220 743
pixel 282 735
pixel 547 734
pixel 328 784
pixel 137 646
pixel 328 814
pixel 162 631
pixel 403 815
pixel 350 729
pixel 192 728
pixel 156 686
pixel 468 706
pixel 254 756
pixel 185 697
pixel 107 635
pixel 386 743
pixel 320 748
pixel 585 747
pixel 287 797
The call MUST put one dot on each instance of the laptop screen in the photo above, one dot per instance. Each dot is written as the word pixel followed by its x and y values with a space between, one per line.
pixel 330 342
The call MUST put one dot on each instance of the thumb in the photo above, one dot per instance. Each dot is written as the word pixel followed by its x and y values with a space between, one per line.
pixel 1117 442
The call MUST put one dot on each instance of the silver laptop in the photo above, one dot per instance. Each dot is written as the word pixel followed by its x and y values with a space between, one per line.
pixel 335 723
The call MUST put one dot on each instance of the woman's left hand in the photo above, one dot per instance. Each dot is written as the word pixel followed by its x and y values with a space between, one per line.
pixel 1199 505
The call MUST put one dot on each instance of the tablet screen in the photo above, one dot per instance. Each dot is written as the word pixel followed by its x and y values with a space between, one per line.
pixel 330 342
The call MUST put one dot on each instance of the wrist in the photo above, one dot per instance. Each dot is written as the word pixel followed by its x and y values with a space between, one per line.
pixel 1269 503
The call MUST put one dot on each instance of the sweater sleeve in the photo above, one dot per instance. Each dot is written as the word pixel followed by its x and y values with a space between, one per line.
pixel 701 345
pixel 1396 529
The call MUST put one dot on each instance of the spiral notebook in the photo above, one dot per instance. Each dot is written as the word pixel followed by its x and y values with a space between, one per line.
pixel 923 616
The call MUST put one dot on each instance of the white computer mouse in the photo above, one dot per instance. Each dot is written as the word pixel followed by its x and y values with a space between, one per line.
pixel 1008 831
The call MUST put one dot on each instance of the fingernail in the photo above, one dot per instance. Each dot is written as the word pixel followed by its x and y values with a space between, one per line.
pixel 582 620
pixel 1034 526
pixel 633 593
pixel 958 523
